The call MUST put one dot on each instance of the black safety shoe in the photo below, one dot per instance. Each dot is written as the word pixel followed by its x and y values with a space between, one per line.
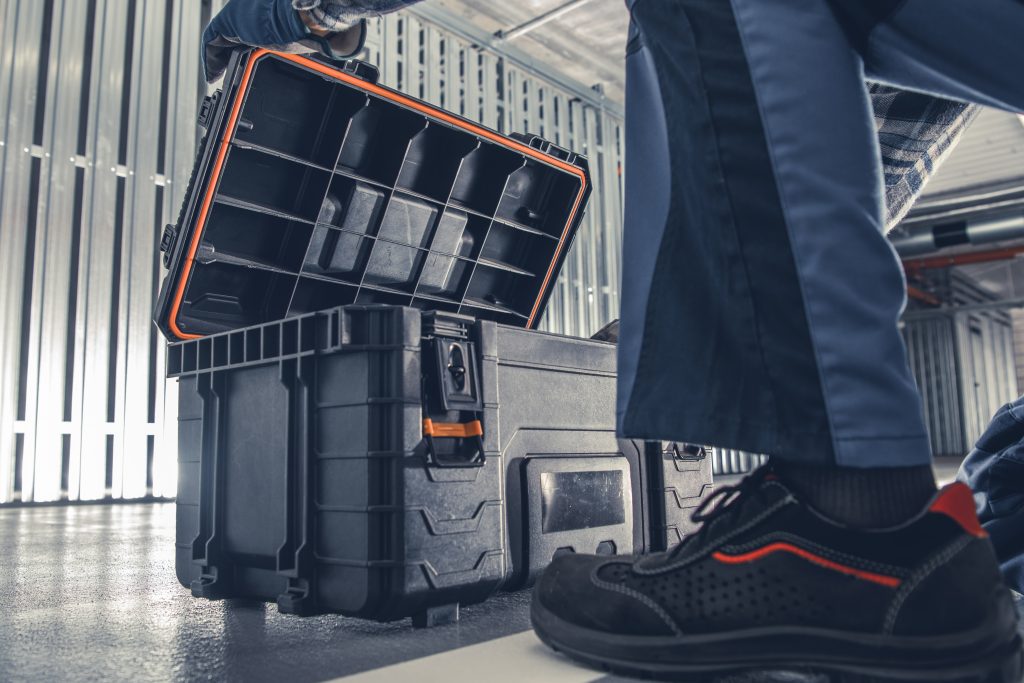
pixel 768 584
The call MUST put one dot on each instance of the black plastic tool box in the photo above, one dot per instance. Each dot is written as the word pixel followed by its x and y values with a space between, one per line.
pixel 386 462
pixel 316 187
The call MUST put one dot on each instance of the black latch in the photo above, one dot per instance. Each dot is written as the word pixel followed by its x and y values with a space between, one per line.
pixel 686 451
pixel 167 240
pixel 457 374
pixel 207 108
pixel 452 399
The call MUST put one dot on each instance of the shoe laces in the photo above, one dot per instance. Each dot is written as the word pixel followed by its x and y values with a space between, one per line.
pixel 727 500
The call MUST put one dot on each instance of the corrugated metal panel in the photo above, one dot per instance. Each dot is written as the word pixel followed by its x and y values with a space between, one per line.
pixel 987 369
pixel 932 353
pixel 98 99
pixel 597 59
pixel 725 461
pixel 965 367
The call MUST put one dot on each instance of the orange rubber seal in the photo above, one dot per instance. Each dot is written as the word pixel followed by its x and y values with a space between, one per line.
pixel 444 430
pixel 336 74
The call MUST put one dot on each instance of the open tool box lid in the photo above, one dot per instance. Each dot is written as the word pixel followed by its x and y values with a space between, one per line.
pixel 315 187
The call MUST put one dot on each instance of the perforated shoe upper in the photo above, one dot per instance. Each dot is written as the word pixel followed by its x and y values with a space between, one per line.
pixel 764 559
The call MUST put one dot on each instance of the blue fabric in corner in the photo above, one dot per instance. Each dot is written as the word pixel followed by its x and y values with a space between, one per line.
pixel 995 470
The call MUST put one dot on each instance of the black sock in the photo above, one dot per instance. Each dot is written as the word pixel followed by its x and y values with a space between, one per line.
pixel 865 498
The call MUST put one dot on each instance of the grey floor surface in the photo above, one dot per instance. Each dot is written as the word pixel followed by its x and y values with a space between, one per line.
pixel 88 593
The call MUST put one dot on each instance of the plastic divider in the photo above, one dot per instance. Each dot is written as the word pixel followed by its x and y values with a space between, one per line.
pixel 313 294
pixel 220 351
pixel 271 182
pixel 370 295
pixel 236 348
pixel 433 160
pixel 377 140
pixel 482 177
pixel 253 345
pixel 233 295
pixel 260 239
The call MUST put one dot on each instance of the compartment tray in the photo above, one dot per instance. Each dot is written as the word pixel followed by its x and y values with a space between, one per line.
pixel 423 199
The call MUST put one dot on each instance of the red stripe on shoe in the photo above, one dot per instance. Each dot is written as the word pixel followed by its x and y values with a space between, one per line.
pixel 771 548
pixel 956 501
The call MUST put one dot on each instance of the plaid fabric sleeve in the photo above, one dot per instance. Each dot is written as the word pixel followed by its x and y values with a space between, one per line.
pixel 915 132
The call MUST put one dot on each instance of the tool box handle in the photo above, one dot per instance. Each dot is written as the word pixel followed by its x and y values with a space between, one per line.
pixel 470 451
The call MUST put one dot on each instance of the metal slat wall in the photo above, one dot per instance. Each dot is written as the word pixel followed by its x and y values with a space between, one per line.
pixel 964 363
pixel 97 139
pixel 932 353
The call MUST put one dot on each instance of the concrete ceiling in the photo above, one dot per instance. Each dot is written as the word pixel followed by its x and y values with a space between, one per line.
pixel 990 155
pixel 988 159
pixel 587 44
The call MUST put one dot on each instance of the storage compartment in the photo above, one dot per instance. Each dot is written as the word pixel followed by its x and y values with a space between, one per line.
pixel 510 258
pixel 351 205
pixel 265 182
pixel 377 141
pixel 393 265
pixel 444 276
pixel 408 221
pixel 336 253
pixel 433 160
pixel 243 236
pixel 228 296
pixel 482 177
pixel 297 113
pixel 323 178
pixel 536 197
pixel 313 295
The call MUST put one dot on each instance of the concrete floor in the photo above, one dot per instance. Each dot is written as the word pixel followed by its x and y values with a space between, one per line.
pixel 89 593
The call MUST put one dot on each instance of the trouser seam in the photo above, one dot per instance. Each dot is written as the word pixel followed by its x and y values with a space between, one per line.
pixel 774 427
pixel 793 245
pixel 905 437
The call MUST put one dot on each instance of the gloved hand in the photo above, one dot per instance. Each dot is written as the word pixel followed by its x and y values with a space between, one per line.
pixel 336 15
pixel 334 28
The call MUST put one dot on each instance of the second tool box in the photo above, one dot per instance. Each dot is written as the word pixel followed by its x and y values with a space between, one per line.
pixel 385 462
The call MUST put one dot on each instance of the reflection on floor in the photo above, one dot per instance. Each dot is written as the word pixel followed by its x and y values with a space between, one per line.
pixel 89 593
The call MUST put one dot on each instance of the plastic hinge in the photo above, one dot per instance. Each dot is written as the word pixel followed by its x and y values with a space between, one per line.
pixel 207 109
pixel 362 70
pixel 167 240
pixel 546 147
pixel 449 325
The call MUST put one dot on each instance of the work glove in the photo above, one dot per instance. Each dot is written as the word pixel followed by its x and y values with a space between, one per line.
pixel 335 29
pixel 337 15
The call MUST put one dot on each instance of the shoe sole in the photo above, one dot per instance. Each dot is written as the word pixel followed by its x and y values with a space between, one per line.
pixel 846 658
